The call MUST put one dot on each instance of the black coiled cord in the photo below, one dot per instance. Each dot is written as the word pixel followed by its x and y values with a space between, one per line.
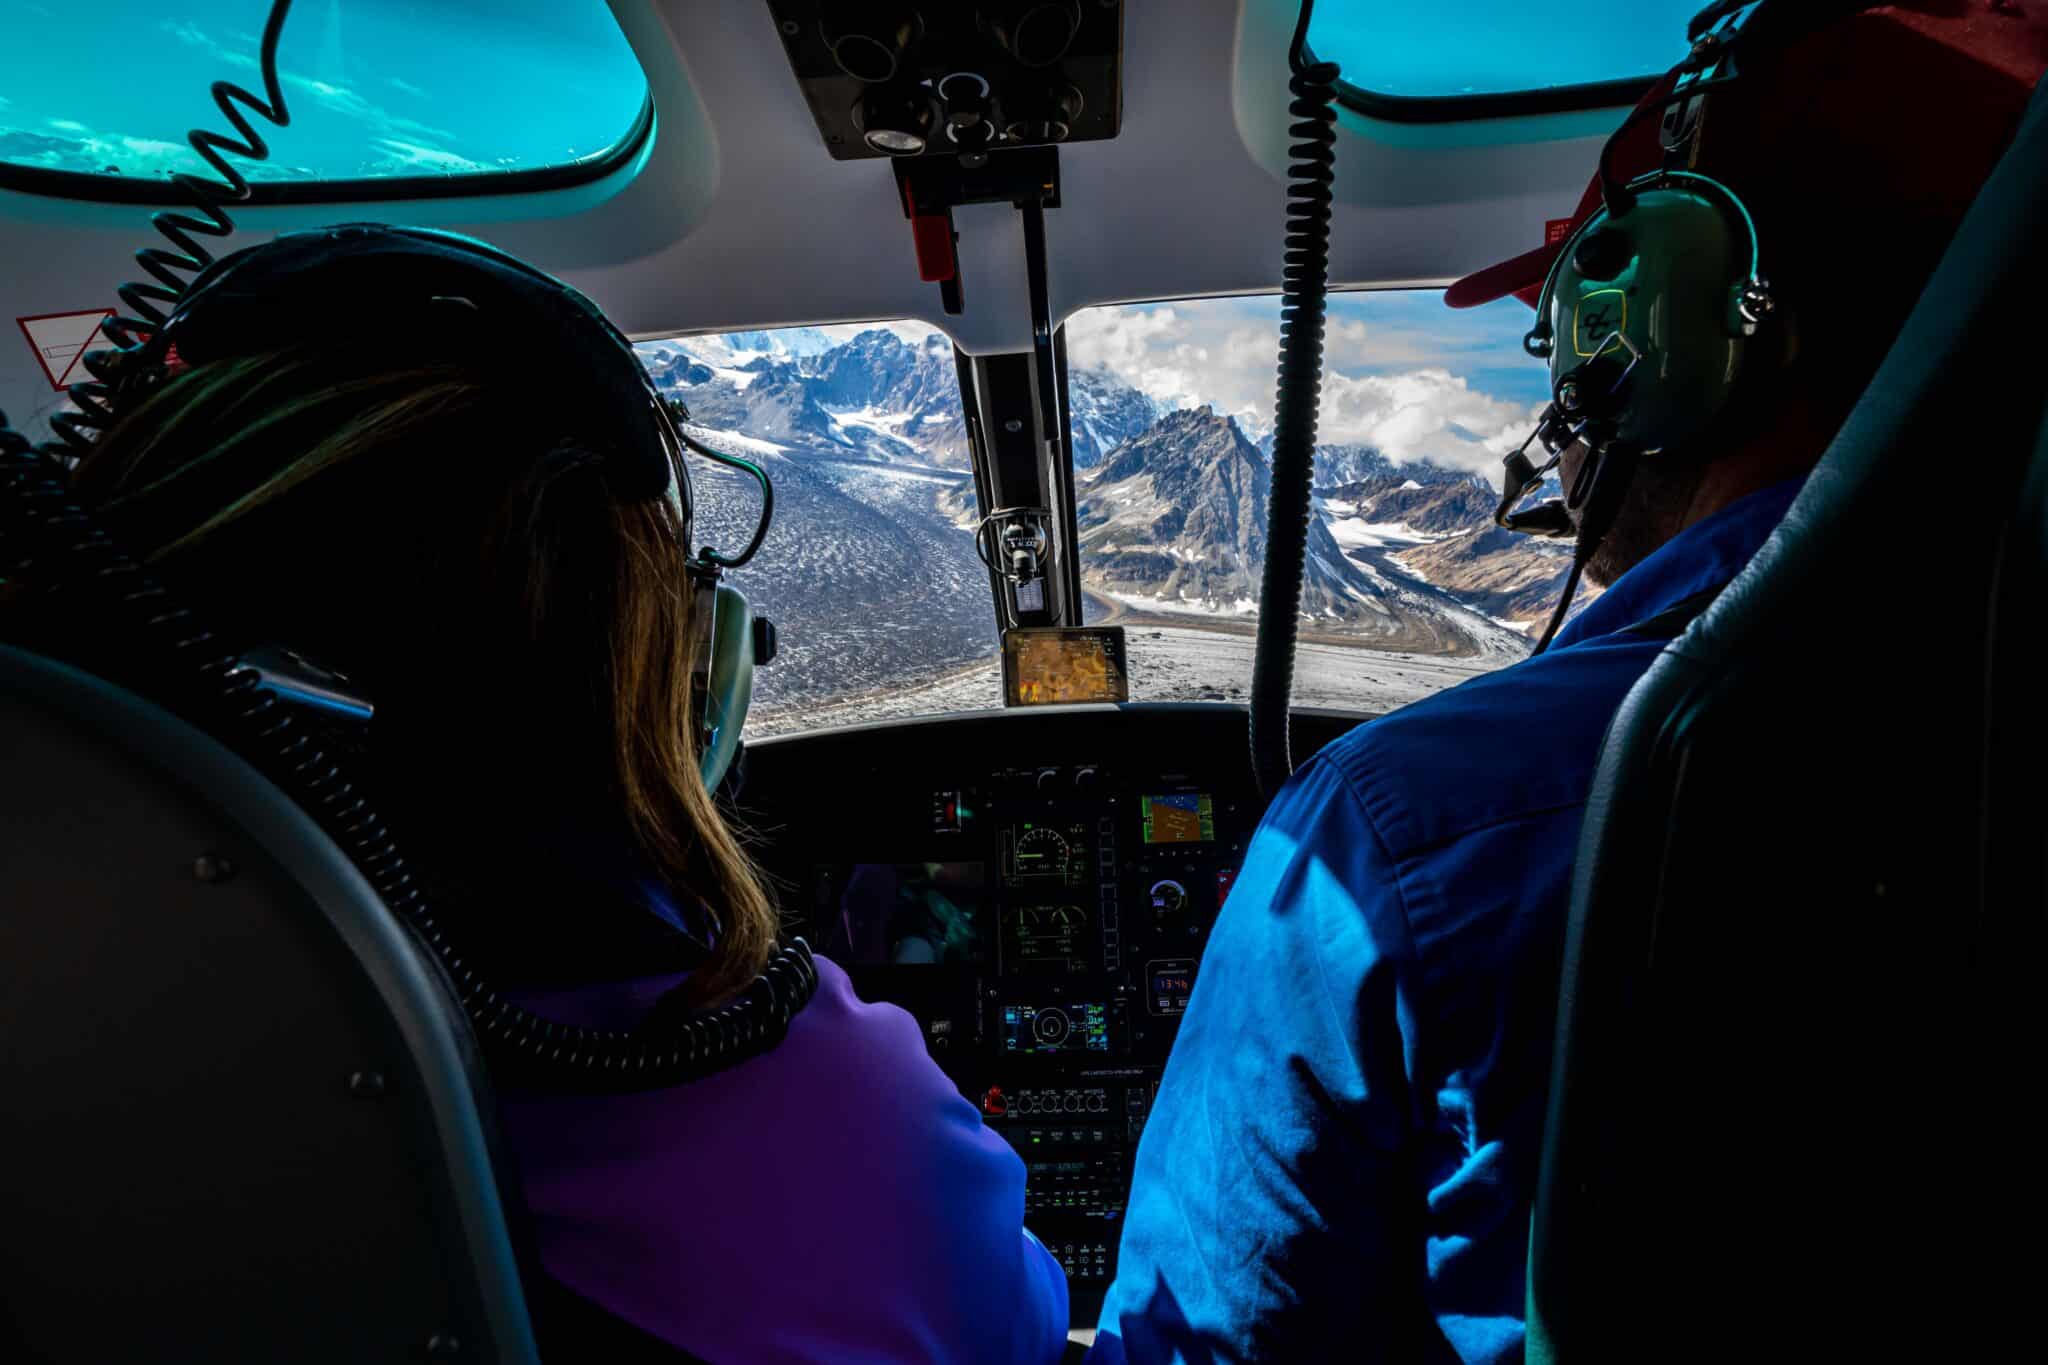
pixel 75 432
pixel 1305 279
pixel 50 541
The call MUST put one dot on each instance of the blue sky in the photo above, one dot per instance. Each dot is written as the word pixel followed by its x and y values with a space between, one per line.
pixel 1398 47
pixel 374 87
pixel 1401 371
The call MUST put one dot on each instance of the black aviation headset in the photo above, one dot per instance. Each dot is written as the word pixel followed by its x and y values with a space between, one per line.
pixel 1653 312
pixel 420 294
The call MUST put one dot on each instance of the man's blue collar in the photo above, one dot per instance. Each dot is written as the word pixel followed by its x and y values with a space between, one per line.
pixel 1704 556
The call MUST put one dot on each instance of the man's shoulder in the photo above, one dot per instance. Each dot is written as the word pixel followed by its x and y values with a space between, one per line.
pixel 1517 742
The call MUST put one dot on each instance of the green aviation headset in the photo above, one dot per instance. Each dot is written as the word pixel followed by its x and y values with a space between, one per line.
pixel 1648 317
pixel 419 294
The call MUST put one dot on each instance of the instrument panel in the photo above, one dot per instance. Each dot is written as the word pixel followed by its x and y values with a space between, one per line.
pixel 1044 922
pixel 1045 925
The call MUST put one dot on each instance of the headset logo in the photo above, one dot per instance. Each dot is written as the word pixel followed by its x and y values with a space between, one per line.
pixel 1598 319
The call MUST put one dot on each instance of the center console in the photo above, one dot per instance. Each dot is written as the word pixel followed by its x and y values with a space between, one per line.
pixel 1043 921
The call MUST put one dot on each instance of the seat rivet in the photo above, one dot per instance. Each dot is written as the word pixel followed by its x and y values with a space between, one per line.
pixel 444 1346
pixel 212 868
pixel 366 1084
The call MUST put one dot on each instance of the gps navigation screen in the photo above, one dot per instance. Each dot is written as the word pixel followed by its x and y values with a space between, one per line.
pixel 1179 818
pixel 1042 667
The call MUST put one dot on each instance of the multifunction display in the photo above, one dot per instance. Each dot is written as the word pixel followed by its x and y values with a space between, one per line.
pixel 1066 1027
pixel 1178 818
pixel 1036 853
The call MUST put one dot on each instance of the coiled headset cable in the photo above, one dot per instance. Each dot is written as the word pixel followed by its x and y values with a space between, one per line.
pixel 53 543
pixel 50 541
pixel 1305 279
pixel 75 432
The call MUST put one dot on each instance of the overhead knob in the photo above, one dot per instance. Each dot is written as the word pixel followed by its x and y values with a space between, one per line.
pixel 1035 32
pixel 869 38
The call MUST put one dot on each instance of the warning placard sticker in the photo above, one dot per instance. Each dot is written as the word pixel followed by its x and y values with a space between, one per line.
pixel 60 341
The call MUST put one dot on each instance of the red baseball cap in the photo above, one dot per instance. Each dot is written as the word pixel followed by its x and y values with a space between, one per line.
pixel 1902 108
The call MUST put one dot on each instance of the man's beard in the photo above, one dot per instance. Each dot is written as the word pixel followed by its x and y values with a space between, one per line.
pixel 1653 510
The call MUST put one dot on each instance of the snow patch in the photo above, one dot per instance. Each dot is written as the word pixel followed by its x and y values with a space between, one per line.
pixel 732 442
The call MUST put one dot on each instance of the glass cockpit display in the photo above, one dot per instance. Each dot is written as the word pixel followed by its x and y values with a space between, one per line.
pixel 905 914
pixel 1045 854
pixel 1178 818
pixel 1045 666
pixel 1046 938
pixel 1069 1027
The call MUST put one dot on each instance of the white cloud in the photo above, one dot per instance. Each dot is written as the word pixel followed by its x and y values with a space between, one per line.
pixel 1390 386
pixel 410 158
pixel 408 144
pixel 1427 414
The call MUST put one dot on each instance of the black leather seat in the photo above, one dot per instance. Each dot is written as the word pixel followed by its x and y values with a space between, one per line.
pixel 1800 1016
pixel 243 1123
pixel 246 1117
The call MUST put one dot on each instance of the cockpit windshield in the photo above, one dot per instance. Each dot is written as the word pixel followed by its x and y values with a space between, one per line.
pixel 869 569
pixel 885 611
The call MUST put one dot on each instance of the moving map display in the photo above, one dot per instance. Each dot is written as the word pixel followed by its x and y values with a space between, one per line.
pixel 1045 666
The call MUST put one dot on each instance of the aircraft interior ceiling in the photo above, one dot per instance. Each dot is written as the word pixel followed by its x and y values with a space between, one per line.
pixel 733 215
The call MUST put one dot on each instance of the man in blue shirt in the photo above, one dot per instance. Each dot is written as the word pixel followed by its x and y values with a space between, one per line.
pixel 1341 1160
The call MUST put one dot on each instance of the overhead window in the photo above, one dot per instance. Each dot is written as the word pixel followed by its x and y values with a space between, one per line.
pixel 1486 49
pixel 378 90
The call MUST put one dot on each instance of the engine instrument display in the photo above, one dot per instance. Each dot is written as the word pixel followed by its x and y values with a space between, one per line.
pixel 1070 1027
pixel 1045 938
pixel 1178 818
pixel 1037 853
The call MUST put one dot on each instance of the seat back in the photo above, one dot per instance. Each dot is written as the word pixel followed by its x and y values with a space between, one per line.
pixel 1803 954
pixel 242 1116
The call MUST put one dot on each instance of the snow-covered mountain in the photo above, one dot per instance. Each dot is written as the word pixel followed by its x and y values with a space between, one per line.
pixel 1174 520
pixel 874 397
pixel 870 567
pixel 1103 412
pixel 1337 465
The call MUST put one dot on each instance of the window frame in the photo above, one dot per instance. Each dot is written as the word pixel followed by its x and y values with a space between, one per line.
pixel 1620 93
pixel 123 189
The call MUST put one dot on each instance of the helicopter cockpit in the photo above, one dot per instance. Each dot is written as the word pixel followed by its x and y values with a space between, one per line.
pixel 1060 396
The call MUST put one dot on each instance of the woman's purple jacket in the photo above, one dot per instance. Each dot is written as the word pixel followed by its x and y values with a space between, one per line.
pixel 834 1199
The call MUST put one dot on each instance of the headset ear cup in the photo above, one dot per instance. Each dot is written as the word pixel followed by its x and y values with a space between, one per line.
pixel 725 677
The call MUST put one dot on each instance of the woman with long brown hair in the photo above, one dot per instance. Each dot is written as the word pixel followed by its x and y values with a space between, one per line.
pixel 362 451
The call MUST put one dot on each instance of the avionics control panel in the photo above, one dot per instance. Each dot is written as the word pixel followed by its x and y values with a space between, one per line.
pixel 1037 887
pixel 1045 925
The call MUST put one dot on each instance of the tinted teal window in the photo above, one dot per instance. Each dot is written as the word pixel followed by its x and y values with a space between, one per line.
pixel 375 88
pixel 1497 47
